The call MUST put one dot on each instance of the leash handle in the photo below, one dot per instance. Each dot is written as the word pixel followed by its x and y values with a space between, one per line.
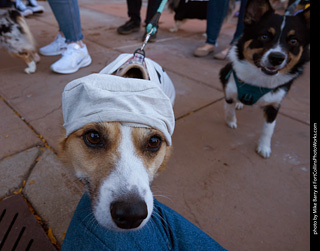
pixel 151 28
pixel 153 24
pixel 155 19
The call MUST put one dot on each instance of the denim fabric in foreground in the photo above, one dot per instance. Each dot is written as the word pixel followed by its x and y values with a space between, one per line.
pixel 166 230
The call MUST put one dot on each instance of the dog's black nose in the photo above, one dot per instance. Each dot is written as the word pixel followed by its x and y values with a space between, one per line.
pixel 128 214
pixel 276 58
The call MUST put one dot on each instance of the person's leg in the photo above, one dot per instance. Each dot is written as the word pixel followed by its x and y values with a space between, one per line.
pixel 166 230
pixel 183 235
pixel 152 8
pixel 133 25
pixel 134 7
pixel 84 233
pixel 67 15
pixel 224 53
pixel 75 54
pixel 217 10
pixel 240 24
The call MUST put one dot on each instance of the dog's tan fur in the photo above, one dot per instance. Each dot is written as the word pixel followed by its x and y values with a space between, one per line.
pixel 293 60
pixel 151 160
pixel 91 163
pixel 249 52
pixel 27 32
pixel 94 165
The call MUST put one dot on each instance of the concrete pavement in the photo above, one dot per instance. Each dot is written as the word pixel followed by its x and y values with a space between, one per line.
pixel 214 177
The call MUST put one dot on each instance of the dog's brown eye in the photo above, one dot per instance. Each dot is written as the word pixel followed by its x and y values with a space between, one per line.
pixel 154 143
pixel 93 139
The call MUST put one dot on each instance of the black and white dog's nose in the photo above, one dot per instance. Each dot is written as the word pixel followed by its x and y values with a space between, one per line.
pixel 128 214
pixel 276 58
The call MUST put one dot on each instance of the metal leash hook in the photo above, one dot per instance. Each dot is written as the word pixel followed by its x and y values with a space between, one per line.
pixel 148 35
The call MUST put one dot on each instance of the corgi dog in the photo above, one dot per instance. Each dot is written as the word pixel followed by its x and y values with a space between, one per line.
pixel 16 37
pixel 264 63
pixel 119 124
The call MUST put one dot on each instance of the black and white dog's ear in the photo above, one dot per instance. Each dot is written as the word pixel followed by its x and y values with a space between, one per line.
pixel 255 9
pixel 306 15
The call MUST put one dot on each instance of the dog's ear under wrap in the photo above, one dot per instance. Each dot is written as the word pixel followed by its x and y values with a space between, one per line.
pixel 255 9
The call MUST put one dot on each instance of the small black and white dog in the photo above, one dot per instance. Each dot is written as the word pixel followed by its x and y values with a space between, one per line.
pixel 16 37
pixel 264 62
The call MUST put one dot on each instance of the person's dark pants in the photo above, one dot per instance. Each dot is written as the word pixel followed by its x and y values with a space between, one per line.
pixel 134 7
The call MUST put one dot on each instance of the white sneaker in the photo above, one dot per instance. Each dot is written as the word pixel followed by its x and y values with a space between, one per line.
pixel 19 6
pixel 34 6
pixel 54 48
pixel 73 58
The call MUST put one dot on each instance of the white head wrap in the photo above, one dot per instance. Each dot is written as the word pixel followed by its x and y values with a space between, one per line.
pixel 155 72
pixel 102 97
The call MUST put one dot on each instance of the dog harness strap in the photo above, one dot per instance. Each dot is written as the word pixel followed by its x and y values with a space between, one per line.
pixel 248 94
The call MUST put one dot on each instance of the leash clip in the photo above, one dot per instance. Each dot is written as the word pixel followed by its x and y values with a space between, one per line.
pixel 146 39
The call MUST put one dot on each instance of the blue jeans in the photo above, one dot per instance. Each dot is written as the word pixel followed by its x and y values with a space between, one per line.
pixel 166 230
pixel 67 15
pixel 217 10
pixel 240 24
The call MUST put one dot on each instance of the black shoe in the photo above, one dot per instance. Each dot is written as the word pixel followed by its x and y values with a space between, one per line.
pixel 129 27
pixel 152 38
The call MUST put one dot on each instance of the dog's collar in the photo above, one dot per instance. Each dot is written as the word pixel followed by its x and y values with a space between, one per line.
pixel 248 94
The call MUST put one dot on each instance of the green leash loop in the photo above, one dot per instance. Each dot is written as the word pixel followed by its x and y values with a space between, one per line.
pixel 152 26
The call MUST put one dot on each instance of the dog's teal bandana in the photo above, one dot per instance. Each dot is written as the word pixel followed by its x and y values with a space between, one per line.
pixel 248 94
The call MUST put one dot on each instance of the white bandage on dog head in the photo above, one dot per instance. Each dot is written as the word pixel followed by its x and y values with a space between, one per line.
pixel 101 97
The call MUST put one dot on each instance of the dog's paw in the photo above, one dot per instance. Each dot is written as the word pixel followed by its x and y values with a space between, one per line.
pixel 36 57
pixel 173 29
pixel 32 67
pixel 29 70
pixel 239 105
pixel 264 151
pixel 232 124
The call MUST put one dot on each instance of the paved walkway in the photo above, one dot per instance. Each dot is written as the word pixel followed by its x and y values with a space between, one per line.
pixel 214 177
